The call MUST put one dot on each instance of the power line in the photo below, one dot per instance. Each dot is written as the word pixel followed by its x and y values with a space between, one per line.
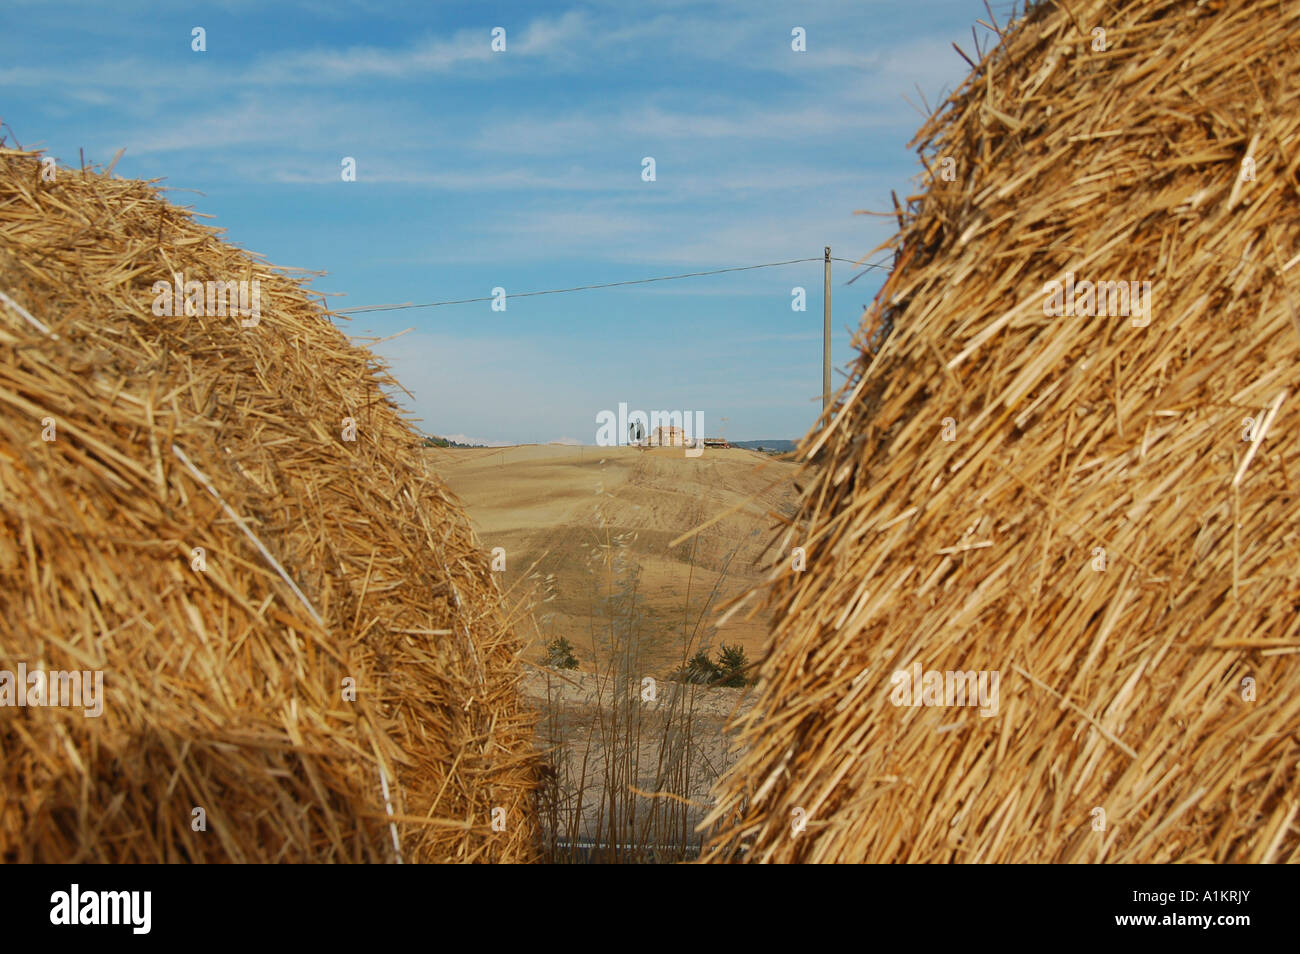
pixel 576 288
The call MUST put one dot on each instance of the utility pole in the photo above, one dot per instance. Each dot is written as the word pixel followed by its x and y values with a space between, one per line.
pixel 826 332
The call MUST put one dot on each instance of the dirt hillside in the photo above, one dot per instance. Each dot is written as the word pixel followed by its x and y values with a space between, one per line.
pixel 558 511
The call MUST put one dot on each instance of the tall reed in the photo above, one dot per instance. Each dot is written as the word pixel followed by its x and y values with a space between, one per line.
pixel 628 771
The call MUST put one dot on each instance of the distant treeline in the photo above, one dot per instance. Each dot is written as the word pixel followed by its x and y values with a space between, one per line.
pixel 433 441
pixel 770 446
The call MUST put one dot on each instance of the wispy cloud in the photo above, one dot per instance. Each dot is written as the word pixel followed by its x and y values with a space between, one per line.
pixel 522 170
pixel 544 37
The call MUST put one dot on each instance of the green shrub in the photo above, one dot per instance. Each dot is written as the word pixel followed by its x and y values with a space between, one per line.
pixel 732 664
pixel 559 654
pixel 701 670
pixel 729 670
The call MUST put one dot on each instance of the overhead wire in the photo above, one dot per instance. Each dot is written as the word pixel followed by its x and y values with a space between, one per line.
pixel 363 309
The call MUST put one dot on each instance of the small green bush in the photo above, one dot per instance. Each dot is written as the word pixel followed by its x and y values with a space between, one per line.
pixel 701 670
pixel 729 670
pixel 732 663
pixel 559 654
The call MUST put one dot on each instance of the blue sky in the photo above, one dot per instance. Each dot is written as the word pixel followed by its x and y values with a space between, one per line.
pixel 523 169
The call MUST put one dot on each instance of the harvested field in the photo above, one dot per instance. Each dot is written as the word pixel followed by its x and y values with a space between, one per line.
pixel 1097 505
pixel 551 507
pixel 585 535
pixel 226 516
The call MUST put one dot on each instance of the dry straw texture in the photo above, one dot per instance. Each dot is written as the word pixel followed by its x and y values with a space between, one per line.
pixel 1121 689
pixel 325 559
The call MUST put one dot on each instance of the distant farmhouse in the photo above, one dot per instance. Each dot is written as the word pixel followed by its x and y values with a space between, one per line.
pixel 668 436
pixel 671 436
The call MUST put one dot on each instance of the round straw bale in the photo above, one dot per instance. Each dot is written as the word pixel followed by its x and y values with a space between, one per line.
pixel 1084 518
pixel 212 503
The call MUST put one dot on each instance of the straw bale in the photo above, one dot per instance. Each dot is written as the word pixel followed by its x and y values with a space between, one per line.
pixel 324 559
pixel 1149 695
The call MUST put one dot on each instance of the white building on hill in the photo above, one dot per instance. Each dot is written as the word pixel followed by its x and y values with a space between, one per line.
pixel 668 436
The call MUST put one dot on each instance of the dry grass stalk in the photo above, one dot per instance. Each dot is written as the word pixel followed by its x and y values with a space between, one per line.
pixel 628 764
